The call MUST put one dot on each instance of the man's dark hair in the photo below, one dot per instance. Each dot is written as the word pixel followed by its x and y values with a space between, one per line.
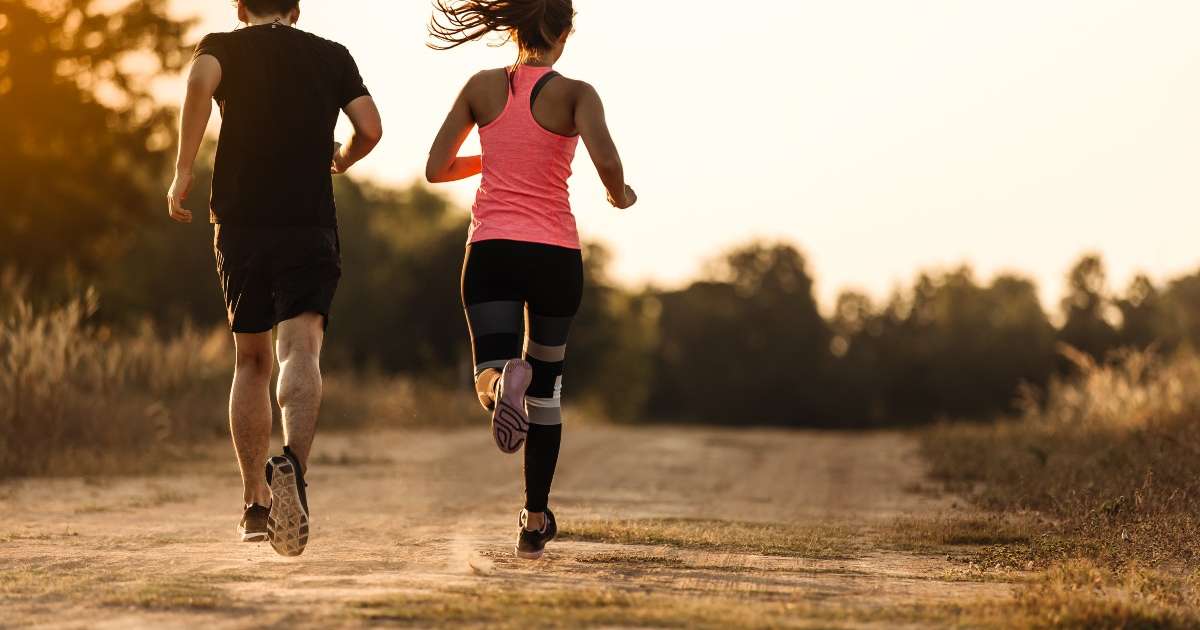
pixel 271 7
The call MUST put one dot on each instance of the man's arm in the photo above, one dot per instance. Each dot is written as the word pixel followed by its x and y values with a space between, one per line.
pixel 202 83
pixel 368 131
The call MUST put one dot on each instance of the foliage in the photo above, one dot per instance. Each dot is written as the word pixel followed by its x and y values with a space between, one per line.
pixel 83 142
pixel 948 346
pixel 741 345
pixel 744 343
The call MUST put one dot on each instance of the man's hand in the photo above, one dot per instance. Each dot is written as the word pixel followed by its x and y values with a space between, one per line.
pixel 340 163
pixel 177 195
pixel 627 202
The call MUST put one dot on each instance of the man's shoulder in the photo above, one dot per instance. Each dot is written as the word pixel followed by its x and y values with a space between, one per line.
pixel 248 33
pixel 321 42
pixel 214 39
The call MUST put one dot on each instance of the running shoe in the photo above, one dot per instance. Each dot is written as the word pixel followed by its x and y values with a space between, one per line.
pixel 510 421
pixel 287 526
pixel 253 527
pixel 531 544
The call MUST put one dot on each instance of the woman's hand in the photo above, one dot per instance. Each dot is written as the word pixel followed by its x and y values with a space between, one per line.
pixel 623 204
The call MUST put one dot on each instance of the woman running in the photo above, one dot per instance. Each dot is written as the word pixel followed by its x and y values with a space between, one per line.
pixel 523 262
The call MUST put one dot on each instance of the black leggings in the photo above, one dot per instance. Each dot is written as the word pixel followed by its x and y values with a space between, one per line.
pixel 510 287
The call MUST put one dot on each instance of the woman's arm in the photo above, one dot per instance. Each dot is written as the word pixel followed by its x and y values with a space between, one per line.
pixel 593 128
pixel 444 165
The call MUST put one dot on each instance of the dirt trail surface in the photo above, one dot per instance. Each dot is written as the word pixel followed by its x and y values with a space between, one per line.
pixel 417 528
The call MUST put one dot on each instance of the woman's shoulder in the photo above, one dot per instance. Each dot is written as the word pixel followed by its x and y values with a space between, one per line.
pixel 488 79
pixel 573 89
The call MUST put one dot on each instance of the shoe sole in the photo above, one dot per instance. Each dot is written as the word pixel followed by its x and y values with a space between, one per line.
pixel 287 526
pixel 256 537
pixel 510 423
pixel 528 555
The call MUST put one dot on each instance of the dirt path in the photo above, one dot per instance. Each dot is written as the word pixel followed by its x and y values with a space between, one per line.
pixel 426 520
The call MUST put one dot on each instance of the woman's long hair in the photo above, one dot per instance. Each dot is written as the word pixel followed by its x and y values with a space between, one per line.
pixel 535 25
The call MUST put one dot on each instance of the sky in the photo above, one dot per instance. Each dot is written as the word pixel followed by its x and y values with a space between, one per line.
pixel 880 137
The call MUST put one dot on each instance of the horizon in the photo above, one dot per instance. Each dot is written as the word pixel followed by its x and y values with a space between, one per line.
pixel 929 141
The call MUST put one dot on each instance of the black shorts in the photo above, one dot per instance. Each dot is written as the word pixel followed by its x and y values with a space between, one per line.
pixel 273 274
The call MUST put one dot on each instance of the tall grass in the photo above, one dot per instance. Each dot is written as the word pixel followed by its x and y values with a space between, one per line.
pixel 1113 454
pixel 1107 466
pixel 77 397
pixel 74 395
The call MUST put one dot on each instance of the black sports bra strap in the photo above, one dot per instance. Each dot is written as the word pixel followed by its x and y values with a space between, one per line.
pixel 537 87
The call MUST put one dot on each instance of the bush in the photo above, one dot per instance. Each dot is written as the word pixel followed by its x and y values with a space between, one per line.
pixel 73 391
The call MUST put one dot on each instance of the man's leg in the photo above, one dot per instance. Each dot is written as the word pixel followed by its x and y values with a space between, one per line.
pixel 299 350
pixel 250 413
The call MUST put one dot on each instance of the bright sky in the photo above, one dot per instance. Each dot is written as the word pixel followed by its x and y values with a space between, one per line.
pixel 882 137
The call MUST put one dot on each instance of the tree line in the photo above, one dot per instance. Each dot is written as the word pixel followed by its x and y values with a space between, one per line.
pixel 84 148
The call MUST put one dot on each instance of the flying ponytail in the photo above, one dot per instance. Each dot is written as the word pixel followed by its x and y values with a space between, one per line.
pixel 535 25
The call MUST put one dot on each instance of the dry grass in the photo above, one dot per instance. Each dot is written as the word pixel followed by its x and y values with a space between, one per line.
pixel 79 398
pixel 629 607
pixel 112 586
pixel 774 539
pixel 1107 469
pixel 935 534
pixel 170 594
pixel 355 401
pixel 1080 594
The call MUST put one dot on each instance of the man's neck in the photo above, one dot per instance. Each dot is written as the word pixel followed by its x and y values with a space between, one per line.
pixel 257 20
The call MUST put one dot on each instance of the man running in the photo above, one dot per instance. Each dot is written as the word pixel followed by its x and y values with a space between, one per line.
pixel 280 90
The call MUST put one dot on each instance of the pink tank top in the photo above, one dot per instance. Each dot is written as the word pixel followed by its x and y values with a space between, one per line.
pixel 524 195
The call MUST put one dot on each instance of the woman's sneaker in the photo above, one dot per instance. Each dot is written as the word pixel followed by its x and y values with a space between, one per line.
pixel 531 544
pixel 510 422
pixel 253 527
pixel 287 526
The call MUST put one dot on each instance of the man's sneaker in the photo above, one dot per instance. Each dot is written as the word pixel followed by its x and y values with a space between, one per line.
pixel 510 422
pixel 253 527
pixel 287 526
pixel 532 544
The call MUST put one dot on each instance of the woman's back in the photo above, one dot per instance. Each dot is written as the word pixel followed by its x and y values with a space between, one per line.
pixel 526 127
pixel 523 273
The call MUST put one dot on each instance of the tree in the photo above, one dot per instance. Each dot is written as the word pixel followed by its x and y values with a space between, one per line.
pixel 1087 309
pixel 946 347
pixel 1143 317
pixel 82 143
pixel 610 356
pixel 746 345
pixel 1181 301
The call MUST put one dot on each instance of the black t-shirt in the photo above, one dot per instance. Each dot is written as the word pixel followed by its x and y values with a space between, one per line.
pixel 280 93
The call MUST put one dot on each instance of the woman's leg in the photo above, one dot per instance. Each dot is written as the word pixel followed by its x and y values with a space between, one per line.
pixel 493 302
pixel 555 294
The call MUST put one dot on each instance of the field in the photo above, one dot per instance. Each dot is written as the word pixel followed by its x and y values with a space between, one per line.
pixel 120 496
pixel 662 527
